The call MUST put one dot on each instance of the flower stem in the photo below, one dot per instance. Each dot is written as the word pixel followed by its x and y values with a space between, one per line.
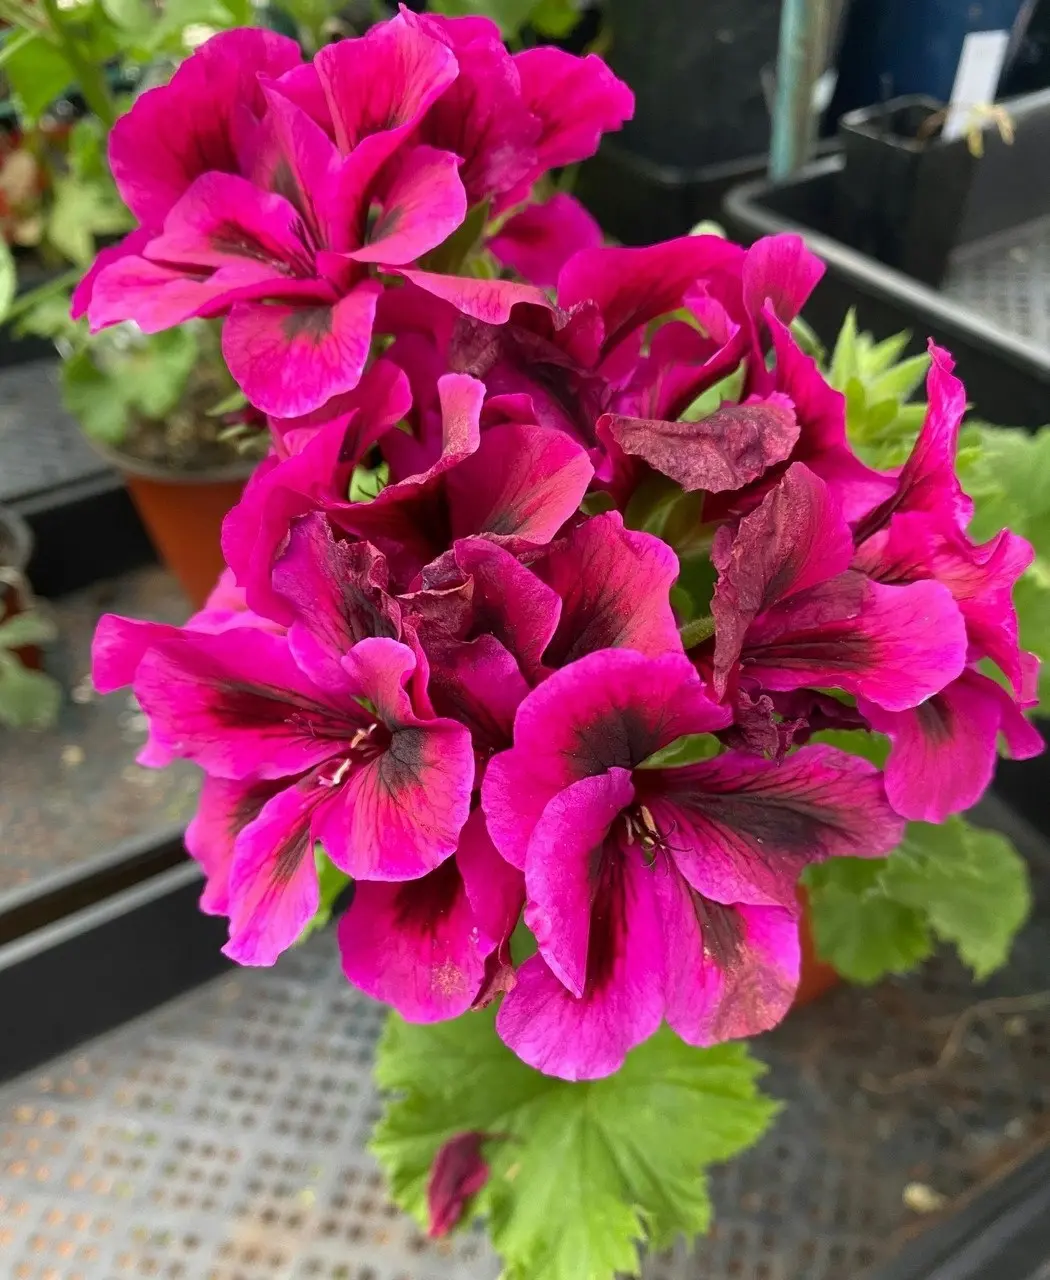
pixel 91 78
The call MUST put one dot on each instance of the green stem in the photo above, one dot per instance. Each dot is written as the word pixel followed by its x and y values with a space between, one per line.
pixel 91 79
pixel 697 631
pixel 27 301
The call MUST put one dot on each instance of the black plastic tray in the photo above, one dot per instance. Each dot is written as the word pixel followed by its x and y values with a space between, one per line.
pixel 989 312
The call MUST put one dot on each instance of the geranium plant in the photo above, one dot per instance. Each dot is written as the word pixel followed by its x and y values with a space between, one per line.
pixel 562 619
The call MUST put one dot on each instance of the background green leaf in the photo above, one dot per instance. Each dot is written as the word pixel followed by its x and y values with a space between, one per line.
pixel 953 882
pixel 28 699
pixel 38 73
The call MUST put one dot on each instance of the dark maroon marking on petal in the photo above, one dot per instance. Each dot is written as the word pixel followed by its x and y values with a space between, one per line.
pixel 406 750
pixel 935 720
pixel 422 905
pixel 777 819
pixel 250 804
pixel 838 648
pixel 622 740
pixel 750 989
pixel 608 913
pixel 382 222
pixel 721 929
pixel 289 853
pixel 275 711
pixel 313 323
pixel 228 237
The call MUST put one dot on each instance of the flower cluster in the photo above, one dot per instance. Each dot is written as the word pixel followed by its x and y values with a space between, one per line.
pixel 561 664
pixel 278 193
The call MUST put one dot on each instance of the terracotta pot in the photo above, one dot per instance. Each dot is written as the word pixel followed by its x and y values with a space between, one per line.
pixel 16 549
pixel 817 977
pixel 183 514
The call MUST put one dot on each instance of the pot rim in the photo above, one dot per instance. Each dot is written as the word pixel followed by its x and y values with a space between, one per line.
pixel 228 472
pixel 20 537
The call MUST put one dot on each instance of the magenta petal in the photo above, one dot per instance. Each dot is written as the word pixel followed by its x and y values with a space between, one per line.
pixel 496 890
pixel 479 684
pixel 944 751
pixel 482 117
pixel 273 888
pixel 576 100
pixel 130 247
pixel 538 242
pixel 795 539
pixel 238 705
pixel 119 645
pixel 732 971
pixel 563 868
pixel 781 269
pixel 153 162
pixel 633 286
pixel 490 301
pixel 927 481
pixel 415 945
pixel 894 645
pixel 522 480
pixel 726 450
pixel 222 220
pixel 278 491
pixel 611 709
pixel 157 296
pixel 225 809
pixel 744 828
pixel 338 592
pixel 420 207
pixel 508 600
pixel 585 1038
pixel 917 545
pixel 379 86
pixel 399 815
pixel 288 359
pixel 614 584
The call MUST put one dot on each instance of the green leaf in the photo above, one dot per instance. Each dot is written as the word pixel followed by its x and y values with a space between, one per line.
pixel 449 256
pixel 958 883
pixel 858 742
pixel 509 15
pixel 154 371
pixel 332 882
pixel 844 359
pixel 28 699
pixel 89 396
pixel 856 927
pixel 367 483
pixel 582 1174
pixel 38 73
pixel 728 388
pixel 554 18
pixel 26 628
pixel 972 886
pixel 132 15
pixel 685 750
pixel 8 279
pixel 80 212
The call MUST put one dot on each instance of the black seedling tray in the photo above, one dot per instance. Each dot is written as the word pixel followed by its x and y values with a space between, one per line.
pixel 992 311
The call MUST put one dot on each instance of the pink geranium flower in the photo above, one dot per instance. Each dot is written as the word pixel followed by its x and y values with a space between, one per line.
pixel 944 751
pixel 790 613
pixel 658 892
pixel 286 187
pixel 337 752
